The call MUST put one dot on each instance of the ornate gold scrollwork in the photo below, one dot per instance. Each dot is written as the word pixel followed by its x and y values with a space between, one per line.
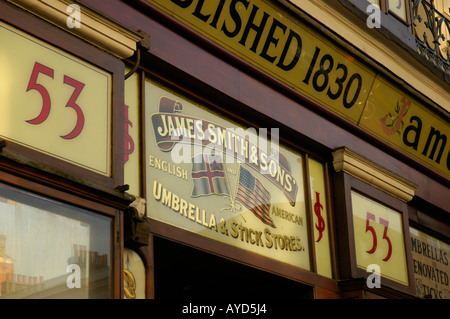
pixel 129 285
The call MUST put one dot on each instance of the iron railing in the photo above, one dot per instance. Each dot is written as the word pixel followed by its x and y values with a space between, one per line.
pixel 432 32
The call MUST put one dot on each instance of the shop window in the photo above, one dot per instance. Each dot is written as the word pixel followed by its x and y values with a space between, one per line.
pixel 49 249
pixel 232 188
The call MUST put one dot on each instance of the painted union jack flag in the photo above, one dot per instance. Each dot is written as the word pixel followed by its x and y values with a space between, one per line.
pixel 208 174
pixel 254 196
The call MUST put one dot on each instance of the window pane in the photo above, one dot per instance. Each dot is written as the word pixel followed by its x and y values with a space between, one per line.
pixel 49 249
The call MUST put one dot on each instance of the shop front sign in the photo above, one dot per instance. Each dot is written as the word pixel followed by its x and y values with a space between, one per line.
pixel 273 41
pixel 211 176
pixel 54 102
pixel 431 265
pixel 402 122
pixel 292 52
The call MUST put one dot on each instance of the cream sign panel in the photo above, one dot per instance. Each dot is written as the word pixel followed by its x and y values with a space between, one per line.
pixel 53 102
pixel 211 176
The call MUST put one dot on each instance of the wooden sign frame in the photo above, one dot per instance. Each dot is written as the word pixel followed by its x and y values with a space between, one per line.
pixel 343 188
pixel 40 29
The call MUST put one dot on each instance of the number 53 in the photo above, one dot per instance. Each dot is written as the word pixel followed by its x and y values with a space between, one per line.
pixel 46 101
pixel 369 228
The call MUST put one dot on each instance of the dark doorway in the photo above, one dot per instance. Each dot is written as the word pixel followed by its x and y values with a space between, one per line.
pixel 186 273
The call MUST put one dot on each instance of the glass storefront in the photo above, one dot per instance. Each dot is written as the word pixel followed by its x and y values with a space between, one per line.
pixel 49 249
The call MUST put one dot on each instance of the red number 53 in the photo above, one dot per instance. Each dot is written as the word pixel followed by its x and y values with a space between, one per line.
pixel 46 100
pixel 369 228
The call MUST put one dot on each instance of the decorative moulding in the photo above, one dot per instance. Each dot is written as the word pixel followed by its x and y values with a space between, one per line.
pixel 349 162
pixel 93 27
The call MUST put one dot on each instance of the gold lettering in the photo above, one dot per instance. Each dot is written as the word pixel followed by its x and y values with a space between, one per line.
pixel 289 180
pixel 199 130
pixel 273 168
pixel 234 232
pixel 212 133
pixel 254 156
pixel 222 136
pixel 150 161
pixel 269 242
pixel 258 239
pixel 263 162
pixel 197 215
pixel 157 163
pixel 183 207
pixel 280 175
pixel 281 242
pixel 287 242
pixel 244 148
pixel 212 222
pixel 191 210
pixel 190 128
pixel 170 125
pixel 181 126
pixel 252 241
pixel 168 168
pixel 274 238
pixel 299 245
pixel 204 223
pixel 175 203
pixel 292 243
pixel 166 197
pixel 157 190
pixel 277 211
pixel 163 131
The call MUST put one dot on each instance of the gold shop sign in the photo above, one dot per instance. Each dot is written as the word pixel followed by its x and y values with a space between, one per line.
pixel 402 122
pixel 431 265
pixel 211 176
pixel 270 39
pixel 292 52
pixel 54 102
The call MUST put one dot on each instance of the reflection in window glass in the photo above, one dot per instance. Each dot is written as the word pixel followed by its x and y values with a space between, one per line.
pixel 48 249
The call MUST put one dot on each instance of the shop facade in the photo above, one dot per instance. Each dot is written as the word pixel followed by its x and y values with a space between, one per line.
pixel 207 149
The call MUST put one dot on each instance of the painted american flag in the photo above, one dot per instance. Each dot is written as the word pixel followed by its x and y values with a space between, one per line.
pixel 254 196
